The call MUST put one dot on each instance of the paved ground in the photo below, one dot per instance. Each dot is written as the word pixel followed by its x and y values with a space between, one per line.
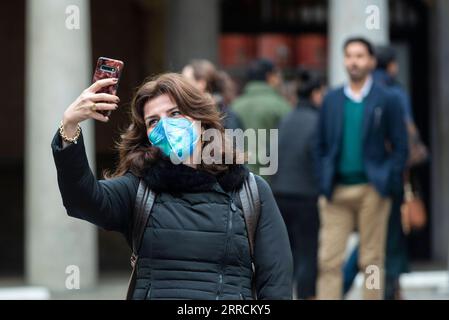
pixel 421 285
pixel 110 287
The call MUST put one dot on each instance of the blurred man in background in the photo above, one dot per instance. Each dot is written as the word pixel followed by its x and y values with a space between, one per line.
pixel 361 154
pixel 295 185
pixel 260 106
pixel 396 261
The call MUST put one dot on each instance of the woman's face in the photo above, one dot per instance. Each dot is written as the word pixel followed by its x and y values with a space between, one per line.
pixel 163 106
pixel 157 108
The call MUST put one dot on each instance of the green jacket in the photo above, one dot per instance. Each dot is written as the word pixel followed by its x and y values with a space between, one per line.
pixel 260 107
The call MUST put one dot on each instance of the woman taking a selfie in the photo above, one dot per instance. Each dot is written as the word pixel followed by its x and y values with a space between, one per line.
pixel 186 223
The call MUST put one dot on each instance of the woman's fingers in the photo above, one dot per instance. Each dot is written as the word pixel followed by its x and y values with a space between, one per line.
pixel 104 97
pixel 89 102
pixel 104 106
pixel 98 116
pixel 101 84
pixel 89 110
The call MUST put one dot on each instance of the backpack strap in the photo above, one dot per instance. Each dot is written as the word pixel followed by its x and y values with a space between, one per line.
pixel 142 212
pixel 249 197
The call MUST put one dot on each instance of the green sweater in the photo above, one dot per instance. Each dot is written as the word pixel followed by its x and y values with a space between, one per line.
pixel 260 107
pixel 350 167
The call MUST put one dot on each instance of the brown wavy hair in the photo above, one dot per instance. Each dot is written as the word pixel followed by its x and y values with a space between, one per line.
pixel 135 151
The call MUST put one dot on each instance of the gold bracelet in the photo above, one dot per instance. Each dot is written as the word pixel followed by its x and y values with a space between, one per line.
pixel 64 136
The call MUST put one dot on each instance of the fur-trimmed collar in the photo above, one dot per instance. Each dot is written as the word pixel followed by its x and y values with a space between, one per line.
pixel 164 176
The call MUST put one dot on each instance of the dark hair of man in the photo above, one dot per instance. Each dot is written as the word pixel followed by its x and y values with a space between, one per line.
pixel 259 69
pixel 384 56
pixel 307 83
pixel 361 40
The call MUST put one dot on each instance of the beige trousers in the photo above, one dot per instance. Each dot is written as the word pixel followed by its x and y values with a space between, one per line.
pixel 358 207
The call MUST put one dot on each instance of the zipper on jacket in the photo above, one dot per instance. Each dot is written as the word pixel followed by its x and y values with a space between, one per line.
pixel 232 208
pixel 220 284
pixel 148 295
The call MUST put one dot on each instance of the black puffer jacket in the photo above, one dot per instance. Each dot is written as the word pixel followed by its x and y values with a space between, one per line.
pixel 195 245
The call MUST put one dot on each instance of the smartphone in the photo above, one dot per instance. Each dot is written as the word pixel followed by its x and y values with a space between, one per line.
pixel 108 68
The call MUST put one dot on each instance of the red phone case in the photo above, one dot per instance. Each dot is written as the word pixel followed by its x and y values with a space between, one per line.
pixel 108 68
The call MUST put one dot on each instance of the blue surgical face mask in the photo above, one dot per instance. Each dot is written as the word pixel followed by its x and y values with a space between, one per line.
pixel 176 137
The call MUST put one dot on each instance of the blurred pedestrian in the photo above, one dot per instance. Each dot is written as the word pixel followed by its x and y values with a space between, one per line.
pixel 386 75
pixel 295 185
pixel 205 76
pixel 396 261
pixel 361 153
pixel 260 106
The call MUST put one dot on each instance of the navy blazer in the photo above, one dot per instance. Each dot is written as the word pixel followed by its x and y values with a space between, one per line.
pixel 385 145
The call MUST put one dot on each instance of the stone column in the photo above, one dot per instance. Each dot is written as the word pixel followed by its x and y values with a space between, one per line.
pixel 58 68
pixel 366 18
pixel 439 57
pixel 192 31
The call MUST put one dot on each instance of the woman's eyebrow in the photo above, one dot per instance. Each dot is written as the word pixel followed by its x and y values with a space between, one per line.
pixel 155 116
pixel 172 109
pixel 150 117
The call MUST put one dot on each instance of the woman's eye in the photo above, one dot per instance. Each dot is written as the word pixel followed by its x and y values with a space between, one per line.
pixel 175 113
pixel 152 122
